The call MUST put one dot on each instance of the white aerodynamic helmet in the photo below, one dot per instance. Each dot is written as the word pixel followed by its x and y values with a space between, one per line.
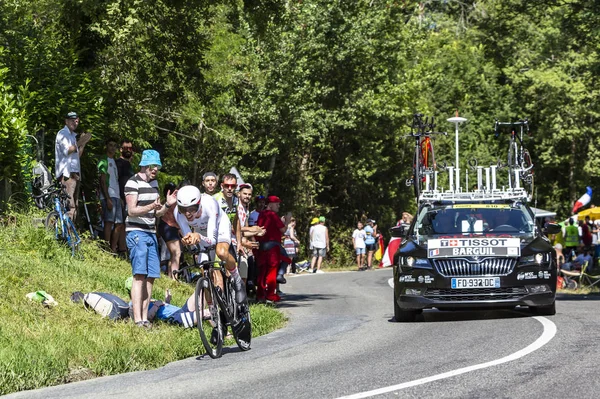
pixel 188 196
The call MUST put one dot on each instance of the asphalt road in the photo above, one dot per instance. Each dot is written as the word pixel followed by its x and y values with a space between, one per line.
pixel 340 341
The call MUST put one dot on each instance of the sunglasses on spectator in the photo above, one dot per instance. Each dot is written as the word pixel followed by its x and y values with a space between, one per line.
pixel 153 166
pixel 188 209
pixel 229 186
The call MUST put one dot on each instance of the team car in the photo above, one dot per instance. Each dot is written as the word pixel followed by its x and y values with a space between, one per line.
pixel 467 251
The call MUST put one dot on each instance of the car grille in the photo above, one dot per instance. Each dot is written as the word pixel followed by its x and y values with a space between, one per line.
pixel 485 267
pixel 475 294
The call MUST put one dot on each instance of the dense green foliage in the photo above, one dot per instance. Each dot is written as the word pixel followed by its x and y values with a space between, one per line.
pixel 308 98
pixel 48 346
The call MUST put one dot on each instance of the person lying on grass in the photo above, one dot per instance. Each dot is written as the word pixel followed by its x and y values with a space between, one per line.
pixel 163 310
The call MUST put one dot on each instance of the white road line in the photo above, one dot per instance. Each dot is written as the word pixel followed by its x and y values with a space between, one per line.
pixel 547 335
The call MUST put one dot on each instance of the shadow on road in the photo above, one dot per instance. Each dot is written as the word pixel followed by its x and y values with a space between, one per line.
pixel 437 316
pixel 296 300
pixel 578 297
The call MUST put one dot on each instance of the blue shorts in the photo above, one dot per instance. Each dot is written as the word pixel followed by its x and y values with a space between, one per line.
pixel 143 252
pixel 115 215
pixel 360 251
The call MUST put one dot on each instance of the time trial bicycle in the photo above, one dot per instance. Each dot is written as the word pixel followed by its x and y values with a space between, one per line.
pixel 223 309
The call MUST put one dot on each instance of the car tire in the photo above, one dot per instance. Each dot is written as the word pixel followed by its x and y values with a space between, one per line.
pixel 404 316
pixel 549 310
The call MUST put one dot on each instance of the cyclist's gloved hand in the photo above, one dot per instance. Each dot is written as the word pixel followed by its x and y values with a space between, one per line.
pixel 191 239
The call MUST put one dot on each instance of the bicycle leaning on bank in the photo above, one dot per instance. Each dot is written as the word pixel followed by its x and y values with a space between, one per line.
pixel 223 309
pixel 59 221
pixel 424 163
pixel 519 159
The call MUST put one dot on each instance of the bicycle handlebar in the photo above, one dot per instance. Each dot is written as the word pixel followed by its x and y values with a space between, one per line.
pixel 521 122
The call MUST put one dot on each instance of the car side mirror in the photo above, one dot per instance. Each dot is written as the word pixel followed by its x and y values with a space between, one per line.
pixel 398 231
pixel 551 228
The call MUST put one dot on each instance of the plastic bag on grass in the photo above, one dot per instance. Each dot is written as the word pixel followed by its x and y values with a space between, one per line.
pixel 42 297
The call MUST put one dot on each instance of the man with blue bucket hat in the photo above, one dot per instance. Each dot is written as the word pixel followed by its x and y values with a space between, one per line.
pixel 143 207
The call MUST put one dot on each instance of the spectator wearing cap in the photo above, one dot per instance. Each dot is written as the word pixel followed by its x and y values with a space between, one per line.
pixel 319 240
pixel 269 254
pixel 313 223
pixel 143 207
pixel 68 150
pixel 209 182
pixel 370 241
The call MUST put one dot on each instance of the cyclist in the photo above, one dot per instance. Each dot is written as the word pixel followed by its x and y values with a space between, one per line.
pixel 202 221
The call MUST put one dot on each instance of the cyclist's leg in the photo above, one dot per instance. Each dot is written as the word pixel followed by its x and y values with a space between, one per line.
pixel 225 254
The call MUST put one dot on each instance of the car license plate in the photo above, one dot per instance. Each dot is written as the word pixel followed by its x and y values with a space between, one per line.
pixel 476 282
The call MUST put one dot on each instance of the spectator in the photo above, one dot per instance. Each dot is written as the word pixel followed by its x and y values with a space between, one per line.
pixel 560 258
pixel 124 171
pixel 319 239
pixel 209 182
pixel 313 223
pixel 358 241
pixel 269 253
pixel 370 232
pixel 68 151
pixel 168 229
pixel 260 206
pixel 110 196
pixel 143 204
pixel 586 234
pixel 579 261
pixel 246 233
pixel 291 243
pixel 571 239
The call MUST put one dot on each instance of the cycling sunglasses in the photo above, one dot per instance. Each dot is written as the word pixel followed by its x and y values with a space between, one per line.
pixel 188 209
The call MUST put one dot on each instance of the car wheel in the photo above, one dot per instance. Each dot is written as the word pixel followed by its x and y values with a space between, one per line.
pixel 402 315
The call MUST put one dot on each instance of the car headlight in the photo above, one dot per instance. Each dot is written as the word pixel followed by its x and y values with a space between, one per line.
pixel 411 261
pixel 538 258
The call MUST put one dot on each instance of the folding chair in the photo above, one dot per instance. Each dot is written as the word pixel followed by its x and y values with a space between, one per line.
pixel 573 278
pixel 588 280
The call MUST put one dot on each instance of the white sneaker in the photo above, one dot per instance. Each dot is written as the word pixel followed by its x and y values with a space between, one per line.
pixel 319 271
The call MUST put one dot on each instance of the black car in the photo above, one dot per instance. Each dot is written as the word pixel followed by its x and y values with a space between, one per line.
pixel 474 254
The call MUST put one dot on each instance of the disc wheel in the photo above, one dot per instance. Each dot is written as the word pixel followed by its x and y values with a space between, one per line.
pixel 211 327
pixel 241 324
pixel 54 224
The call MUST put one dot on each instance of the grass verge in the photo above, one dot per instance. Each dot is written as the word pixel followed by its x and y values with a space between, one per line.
pixel 48 346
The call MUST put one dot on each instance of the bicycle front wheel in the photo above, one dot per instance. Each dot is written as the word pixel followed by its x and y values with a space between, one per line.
pixel 208 313
pixel 54 224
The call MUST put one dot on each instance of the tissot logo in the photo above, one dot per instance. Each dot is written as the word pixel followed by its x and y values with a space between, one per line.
pixel 448 243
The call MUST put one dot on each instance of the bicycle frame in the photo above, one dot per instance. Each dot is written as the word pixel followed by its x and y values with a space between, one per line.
pixel 424 164
pixel 66 230
pixel 519 160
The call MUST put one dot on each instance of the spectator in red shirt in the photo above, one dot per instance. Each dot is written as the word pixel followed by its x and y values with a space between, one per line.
pixel 269 253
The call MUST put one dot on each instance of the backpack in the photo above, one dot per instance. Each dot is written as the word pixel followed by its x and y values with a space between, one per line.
pixel 107 305
pixel 42 182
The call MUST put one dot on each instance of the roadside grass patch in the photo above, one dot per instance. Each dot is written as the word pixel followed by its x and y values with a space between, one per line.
pixel 42 346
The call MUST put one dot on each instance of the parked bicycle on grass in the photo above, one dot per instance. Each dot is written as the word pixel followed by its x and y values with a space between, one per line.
pixel 58 219
pixel 224 310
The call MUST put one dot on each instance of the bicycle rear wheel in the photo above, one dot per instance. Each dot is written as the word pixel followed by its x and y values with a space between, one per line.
pixel 211 328
pixel 241 325
pixel 53 223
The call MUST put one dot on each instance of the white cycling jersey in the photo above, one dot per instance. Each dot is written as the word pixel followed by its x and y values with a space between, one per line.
pixel 210 222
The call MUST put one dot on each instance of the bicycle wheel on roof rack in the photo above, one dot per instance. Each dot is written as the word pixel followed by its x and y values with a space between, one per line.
pixel 417 172
pixel 527 176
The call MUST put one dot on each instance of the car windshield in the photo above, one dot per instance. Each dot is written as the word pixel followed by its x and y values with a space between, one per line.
pixel 474 219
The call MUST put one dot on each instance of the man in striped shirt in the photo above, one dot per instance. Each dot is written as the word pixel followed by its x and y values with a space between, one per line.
pixel 143 207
